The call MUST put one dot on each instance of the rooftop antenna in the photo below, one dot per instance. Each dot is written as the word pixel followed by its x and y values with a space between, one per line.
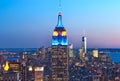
pixel 83 32
pixel 60 6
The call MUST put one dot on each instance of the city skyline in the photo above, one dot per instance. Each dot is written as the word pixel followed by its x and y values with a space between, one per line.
pixel 28 23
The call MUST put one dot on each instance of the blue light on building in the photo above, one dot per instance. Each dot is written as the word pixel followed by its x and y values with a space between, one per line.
pixel 59 34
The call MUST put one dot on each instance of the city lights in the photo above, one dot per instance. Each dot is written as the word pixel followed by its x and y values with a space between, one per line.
pixel 55 33
pixel 64 33
pixel 6 66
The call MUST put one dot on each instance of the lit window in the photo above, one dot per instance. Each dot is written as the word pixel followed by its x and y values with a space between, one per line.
pixel 64 33
pixel 55 33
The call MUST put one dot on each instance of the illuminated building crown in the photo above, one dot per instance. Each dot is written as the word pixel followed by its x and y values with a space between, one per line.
pixel 59 34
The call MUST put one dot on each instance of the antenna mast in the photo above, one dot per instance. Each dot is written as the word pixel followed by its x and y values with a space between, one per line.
pixel 60 6
pixel 84 33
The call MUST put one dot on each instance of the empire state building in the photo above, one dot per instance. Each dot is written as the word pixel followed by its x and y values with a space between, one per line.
pixel 59 61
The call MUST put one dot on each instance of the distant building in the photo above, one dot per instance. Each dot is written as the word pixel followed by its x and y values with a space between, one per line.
pixel 94 78
pixel 1 59
pixel 23 74
pixel 80 51
pixel 14 66
pixel 71 51
pixel 1 63
pixel 84 45
pixel 39 73
pixel 59 52
pixel 10 77
pixel 103 57
pixel 30 73
pixel 94 53
pixel 83 51
pixel 42 52
pixel 11 57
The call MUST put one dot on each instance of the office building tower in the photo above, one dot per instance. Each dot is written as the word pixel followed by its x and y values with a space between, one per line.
pixel 59 52
pixel 94 78
pixel 83 51
pixel 15 66
pixel 39 73
pixel 23 71
pixel 1 62
pixel 103 57
pixel 10 77
pixel 84 48
pixel 95 53
pixel 84 45
pixel 42 52
pixel 30 73
pixel 80 51
pixel 71 52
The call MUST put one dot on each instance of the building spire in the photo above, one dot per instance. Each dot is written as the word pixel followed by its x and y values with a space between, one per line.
pixel 59 24
pixel 84 33
pixel 60 6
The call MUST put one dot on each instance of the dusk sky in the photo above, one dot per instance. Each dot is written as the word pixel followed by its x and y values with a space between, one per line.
pixel 30 23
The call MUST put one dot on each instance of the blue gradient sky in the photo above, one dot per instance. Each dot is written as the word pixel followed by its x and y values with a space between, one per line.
pixel 30 23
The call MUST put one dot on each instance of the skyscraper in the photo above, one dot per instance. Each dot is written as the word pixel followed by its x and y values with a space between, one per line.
pixel 39 73
pixel 59 52
pixel 70 50
pixel 84 39
pixel 83 52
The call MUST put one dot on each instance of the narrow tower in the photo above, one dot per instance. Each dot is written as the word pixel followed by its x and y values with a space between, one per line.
pixel 59 52
pixel 84 48
pixel 84 45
